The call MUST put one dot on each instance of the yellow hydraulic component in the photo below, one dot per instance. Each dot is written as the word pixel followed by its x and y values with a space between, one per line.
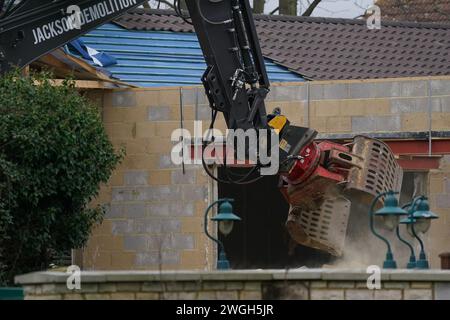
pixel 278 123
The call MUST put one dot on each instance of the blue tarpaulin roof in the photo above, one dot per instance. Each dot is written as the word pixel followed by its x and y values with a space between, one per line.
pixel 160 58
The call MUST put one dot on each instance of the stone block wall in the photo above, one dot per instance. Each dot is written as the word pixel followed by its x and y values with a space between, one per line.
pixel 155 211
pixel 309 284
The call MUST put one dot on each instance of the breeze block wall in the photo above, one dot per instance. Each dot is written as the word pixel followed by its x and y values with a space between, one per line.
pixel 155 211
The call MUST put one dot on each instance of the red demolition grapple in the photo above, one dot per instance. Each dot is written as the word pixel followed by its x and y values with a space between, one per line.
pixel 322 177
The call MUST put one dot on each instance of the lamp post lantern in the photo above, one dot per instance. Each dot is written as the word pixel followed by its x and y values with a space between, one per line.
pixel 391 214
pixel 225 218
pixel 419 220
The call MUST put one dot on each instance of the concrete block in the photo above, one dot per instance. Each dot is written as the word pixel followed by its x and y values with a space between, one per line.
pixel 363 124
pixel 97 296
pixel 374 123
pixel 121 227
pixel 250 295
pixel 403 105
pixel 418 294
pixel 158 113
pixel 128 287
pixel 147 296
pixel 188 177
pixel 336 91
pixel 123 296
pixel 187 295
pixel 341 284
pixel 193 193
pixel 107 287
pixel 135 242
pixel 387 294
pixel 374 90
pixel 440 87
pixel 415 121
pixel 134 210
pixel 178 241
pixel 145 129
pixel 444 103
pixel 155 226
pixel 227 295
pixel 207 295
pixel 316 91
pixel 169 97
pixel 203 112
pixel 160 177
pixel 318 284
pixel 234 285
pixel 288 93
pixel 192 286
pixel 121 99
pixel 354 107
pixel 339 124
pixel 440 120
pixel 442 290
pixel 171 209
pixel 73 296
pixel 153 287
pixel 213 285
pixel 191 96
pixel 157 258
pixel 442 201
pixel 130 210
pixel 119 195
pixel 359 91
pixel 395 285
pixel 421 285
pixel 165 162
pixel 359 294
pixel 414 88
pixel 326 294
pixel 386 89
pixel 136 178
pixel 326 108
pixel 161 193
pixel 169 296
pixel 45 297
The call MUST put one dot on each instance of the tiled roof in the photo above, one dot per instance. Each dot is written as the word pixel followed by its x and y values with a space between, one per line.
pixel 328 48
pixel 437 11
pixel 160 58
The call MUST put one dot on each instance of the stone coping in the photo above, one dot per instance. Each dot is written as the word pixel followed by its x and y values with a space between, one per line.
pixel 233 275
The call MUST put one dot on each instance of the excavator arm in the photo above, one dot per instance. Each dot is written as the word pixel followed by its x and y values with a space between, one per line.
pixel 30 29
pixel 315 177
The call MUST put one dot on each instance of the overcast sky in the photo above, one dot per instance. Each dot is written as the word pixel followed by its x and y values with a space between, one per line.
pixel 327 8
pixel 330 8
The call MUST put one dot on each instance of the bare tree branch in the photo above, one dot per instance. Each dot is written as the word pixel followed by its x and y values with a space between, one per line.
pixel 311 8
pixel 274 11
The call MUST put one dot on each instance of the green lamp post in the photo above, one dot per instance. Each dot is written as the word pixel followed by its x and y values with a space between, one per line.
pixel 419 220
pixel 412 258
pixel 226 218
pixel 391 214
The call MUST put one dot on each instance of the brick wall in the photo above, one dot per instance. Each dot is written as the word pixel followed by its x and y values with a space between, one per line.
pixel 310 284
pixel 155 211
